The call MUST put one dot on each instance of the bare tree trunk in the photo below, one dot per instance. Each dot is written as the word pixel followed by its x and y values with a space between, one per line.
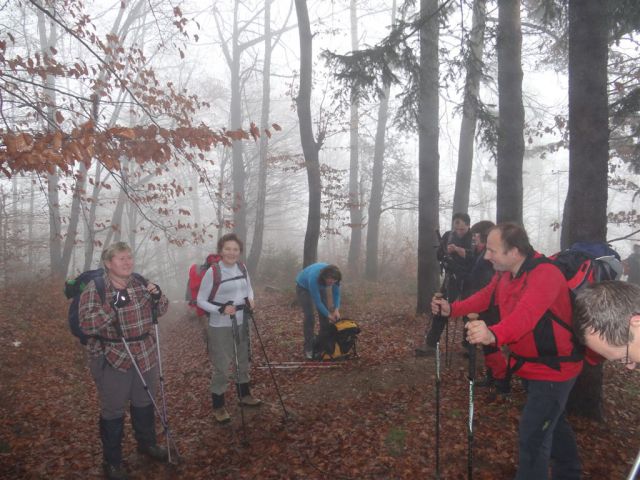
pixel 90 232
pixel 377 190
pixel 355 209
pixel 74 216
pixel 53 198
pixel 475 48
pixel 220 207
pixel 585 213
pixel 511 113
pixel 429 158
pixel 310 147
pixel 32 211
pixel 258 230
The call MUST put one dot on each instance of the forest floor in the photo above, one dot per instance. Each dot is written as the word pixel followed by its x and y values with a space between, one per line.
pixel 368 418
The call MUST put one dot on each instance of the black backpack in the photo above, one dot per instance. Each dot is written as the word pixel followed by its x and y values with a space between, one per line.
pixel 74 287
pixel 585 263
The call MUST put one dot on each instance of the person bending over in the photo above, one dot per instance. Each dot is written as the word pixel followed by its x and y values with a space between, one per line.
pixel 313 284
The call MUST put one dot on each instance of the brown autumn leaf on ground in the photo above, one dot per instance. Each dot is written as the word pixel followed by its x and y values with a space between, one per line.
pixel 368 418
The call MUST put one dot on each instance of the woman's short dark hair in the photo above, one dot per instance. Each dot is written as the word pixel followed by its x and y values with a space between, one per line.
pixel 482 228
pixel 330 271
pixel 514 236
pixel 229 237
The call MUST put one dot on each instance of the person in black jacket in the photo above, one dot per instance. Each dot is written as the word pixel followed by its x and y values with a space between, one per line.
pixel 455 254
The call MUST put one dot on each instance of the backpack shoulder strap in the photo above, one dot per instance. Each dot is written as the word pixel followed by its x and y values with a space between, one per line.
pixel 140 279
pixel 217 280
pixel 243 269
pixel 100 288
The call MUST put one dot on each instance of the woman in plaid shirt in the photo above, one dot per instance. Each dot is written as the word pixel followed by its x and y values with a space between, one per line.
pixel 128 301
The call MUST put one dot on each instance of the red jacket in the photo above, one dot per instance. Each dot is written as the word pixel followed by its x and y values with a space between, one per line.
pixel 528 303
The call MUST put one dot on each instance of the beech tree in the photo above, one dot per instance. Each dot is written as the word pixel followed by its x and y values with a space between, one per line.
pixel 377 172
pixel 428 155
pixel 310 145
pixel 355 209
pixel 470 105
pixel 511 113
pixel 63 129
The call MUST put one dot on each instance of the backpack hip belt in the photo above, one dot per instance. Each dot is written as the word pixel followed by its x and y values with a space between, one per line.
pixel 139 338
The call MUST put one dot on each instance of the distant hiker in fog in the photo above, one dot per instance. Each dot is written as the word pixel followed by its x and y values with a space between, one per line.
pixel 313 284
pixel 125 312
pixel 224 293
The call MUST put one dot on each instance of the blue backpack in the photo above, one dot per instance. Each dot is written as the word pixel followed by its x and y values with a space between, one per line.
pixel 73 289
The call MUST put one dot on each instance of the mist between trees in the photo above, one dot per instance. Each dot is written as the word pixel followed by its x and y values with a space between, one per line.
pixel 167 126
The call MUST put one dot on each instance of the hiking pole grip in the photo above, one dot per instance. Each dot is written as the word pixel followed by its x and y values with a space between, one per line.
pixel 472 350
pixel 438 296
pixel 248 307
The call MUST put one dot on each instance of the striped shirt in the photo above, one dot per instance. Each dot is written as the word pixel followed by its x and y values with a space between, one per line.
pixel 96 320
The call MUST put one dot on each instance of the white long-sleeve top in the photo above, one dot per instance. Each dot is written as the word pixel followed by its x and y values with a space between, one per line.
pixel 235 290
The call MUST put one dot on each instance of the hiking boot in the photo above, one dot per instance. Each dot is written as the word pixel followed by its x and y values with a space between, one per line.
pixel 114 472
pixel 154 451
pixel 250 401
pixel 221 415
pixel 425 351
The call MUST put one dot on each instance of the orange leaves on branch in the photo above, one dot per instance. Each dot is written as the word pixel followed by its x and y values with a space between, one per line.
pixel 44 152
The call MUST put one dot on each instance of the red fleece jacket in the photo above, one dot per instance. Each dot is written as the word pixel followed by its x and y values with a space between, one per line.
pixel 522 301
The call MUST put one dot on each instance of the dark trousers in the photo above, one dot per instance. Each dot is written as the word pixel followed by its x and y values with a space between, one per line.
pixel 116 388
pixel 545 436
pixel 306 303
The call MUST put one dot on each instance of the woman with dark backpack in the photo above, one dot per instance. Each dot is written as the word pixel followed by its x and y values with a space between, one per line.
pixel 224 293
pixel 127 312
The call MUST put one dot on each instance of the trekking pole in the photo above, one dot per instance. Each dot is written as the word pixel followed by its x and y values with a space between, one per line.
pixel 165 425
pixel 236 341
pixel 635 469
pixel 446 345
pixel 438 411
pixel 154 317
pixel 249 311
pixel 472 378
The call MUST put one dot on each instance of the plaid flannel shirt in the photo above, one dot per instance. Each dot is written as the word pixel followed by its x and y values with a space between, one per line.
pixel 97 320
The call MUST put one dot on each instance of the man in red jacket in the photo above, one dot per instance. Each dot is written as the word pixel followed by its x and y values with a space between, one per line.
pixel 535 322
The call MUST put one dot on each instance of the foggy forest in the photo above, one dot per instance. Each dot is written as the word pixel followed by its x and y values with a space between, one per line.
pixel 347 132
